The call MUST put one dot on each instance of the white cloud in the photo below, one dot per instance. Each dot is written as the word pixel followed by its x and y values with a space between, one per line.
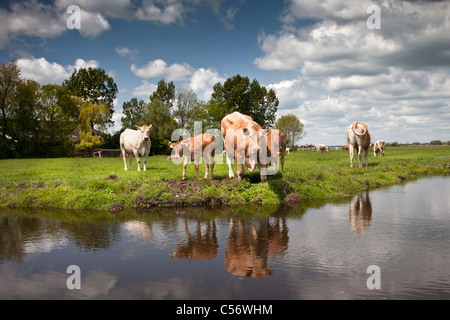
pixel 203 81
pixel 159 69
pixel 163 12
pixel 404 106
pixel 395 79
pixel 44 72
pixel 127 52
pixel 144 90
pixel 92 24
pixel 29 19
pixel 36 19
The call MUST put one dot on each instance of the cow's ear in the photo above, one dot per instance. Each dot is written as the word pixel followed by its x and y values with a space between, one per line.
pixel 171 144
pixel 137 127
pixel 268 131
pixel 149 126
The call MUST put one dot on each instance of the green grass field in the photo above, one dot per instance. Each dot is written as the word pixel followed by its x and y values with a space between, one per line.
pixel 102 183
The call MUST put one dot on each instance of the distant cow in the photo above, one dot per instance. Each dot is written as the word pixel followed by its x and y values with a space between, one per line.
pixel 277 134
pixel 137 143
pixel 194 148
pixel 345 147
pixel 379 147
pixel 247 142
pixel 358 138
pixel 322 147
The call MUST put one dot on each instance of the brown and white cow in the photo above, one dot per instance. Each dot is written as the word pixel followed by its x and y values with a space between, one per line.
pixel 137 143
pixel 193 149
pixel 379 147
pixel 322 148
pixel 345 147
pixel 358 137
pixel 282 150
pixel 247 142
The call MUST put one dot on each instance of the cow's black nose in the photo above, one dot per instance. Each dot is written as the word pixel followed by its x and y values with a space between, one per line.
pixel 145 138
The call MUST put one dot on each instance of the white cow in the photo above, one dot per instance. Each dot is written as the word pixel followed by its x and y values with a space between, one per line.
pixel 358 137
pixel 137 143
pixel 379 147
pixel 322 147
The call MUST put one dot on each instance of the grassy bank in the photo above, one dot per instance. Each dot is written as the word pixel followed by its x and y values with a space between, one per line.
pixel 101 183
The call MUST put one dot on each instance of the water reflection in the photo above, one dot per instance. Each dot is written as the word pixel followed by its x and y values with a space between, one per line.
pixel 200 244
pixel 360 212
pixel 250 244
pixel 294 252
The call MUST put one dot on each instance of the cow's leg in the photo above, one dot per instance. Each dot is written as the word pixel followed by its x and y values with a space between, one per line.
pixel 145 162
pixel 212 170
pixel 206 169
pixel 130 156
pixel 366 156
pixel 282 162
pixel 124 155
pixel 229 162
pixel 350 151
pixel 263 173
pixel 196 169
pixel 138 161
pixel 360 156
pixel 240 170
pixel 185 163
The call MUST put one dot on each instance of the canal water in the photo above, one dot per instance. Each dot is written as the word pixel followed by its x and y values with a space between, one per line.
pixel 390 243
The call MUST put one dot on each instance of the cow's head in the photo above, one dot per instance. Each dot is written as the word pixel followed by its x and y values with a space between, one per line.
pixel 145 131
pixel 177 147
pixel 253 134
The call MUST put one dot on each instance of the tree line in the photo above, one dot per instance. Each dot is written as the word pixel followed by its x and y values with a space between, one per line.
pixel 60 120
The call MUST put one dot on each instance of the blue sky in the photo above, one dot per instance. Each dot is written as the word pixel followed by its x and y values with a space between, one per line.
pixel 326 66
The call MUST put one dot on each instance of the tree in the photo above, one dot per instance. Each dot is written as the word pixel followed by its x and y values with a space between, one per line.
pixel 158 114
pixel 9 80
pixel 250 98
pixel 132 110
pixel 165 93
pixel 91 113
pixel 188 109
pixel 25 131
pixel 58 115
pixel 292 127
pixel 95 85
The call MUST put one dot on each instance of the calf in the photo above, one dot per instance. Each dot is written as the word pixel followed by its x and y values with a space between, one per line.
pixel 194 148
pixel 345 147
pixel 358 137
pixel 379 147
pixel 247 142
pixel 137 143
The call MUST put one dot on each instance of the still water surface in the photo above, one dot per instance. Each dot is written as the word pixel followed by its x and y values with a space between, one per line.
pixel 317 252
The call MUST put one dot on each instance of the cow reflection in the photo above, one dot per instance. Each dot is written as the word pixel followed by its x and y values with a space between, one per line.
pixel 360 213
pixel 199 245
pixel 248 248
pixel 139 229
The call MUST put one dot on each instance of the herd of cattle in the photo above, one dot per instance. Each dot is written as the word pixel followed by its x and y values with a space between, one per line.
pixel 244 141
